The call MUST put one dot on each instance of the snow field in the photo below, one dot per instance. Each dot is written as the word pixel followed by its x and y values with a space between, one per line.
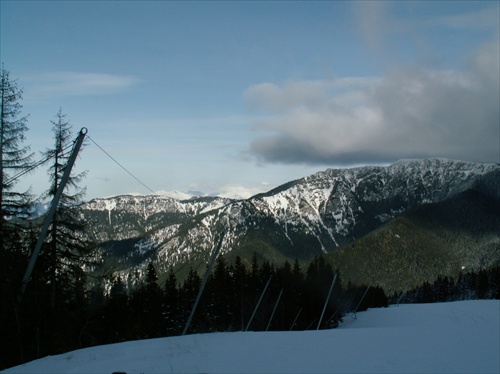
pixel 457 337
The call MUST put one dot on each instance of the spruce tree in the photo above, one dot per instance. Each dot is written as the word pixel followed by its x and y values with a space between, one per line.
pixel 153 302
pixel 317 283
pixel 15 159
pixel 240 299
pixel 171 306
pixel 289 302
pixel 67 248
pixel 221 295
pixel 116 314
pixel 57 292
pixel 188 293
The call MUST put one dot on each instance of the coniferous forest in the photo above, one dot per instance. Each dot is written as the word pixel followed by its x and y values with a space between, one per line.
pixel 79 318
pixel 293 300
pixel 57 312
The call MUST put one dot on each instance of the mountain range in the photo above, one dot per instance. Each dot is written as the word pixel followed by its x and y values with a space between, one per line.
pixel 393 226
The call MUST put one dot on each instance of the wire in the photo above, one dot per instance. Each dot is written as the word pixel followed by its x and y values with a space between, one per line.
pixel 37 164
pixel 120 165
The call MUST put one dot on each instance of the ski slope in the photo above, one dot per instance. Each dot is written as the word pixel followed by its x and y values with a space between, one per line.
pixel 456 337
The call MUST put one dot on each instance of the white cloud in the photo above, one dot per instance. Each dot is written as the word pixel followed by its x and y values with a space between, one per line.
pixel 234 191
pixel 55 84
pixel 484 18
pixel 272 97
pixel 179 195
pixel 412 112
pixel 396 32
pixel 230 191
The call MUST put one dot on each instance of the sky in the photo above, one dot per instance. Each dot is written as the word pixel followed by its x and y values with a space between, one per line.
pixel 235 98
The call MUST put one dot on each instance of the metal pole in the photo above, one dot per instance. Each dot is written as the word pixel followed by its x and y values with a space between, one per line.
pixel 274 310
pixel 212 261
pixel 362 297
pixel 258 303
pixel 401 297
pixel 53 207
pixel 326 302
pixel 296 318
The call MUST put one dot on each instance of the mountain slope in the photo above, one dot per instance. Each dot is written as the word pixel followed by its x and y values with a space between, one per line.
pixel 301 219
pixel 445 238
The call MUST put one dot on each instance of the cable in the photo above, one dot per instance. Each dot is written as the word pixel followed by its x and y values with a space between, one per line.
pixel 120 165
pixel 41 162
pixel 35 165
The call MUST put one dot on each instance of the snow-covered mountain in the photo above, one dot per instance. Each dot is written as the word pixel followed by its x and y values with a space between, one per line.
pixel 300 219
pixel 131 216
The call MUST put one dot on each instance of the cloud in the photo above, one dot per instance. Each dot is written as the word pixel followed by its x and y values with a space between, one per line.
pixel 394 32
pixel 76 84
pixel 234 191
pixel 411 112
pixel 373 22
pixel 485 18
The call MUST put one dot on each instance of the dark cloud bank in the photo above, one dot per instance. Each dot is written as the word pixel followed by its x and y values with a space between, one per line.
pixel 410 113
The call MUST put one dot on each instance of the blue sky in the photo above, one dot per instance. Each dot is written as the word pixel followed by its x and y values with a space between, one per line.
pixel 239 97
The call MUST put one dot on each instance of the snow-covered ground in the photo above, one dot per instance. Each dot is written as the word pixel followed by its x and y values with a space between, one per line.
pixel 457 337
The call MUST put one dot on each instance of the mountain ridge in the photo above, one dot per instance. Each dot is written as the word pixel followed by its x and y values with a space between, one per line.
pixel 300 219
